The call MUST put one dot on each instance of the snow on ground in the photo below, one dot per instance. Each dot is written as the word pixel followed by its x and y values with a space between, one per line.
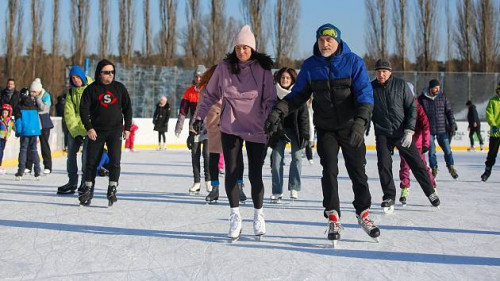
pixel 157 231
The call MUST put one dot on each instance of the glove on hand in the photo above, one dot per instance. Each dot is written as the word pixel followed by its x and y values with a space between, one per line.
pixel 407 139
pixel 425 149
pixel 79 139
pixel 357 132
pixel 198 126
pixel 190 141
pixel 453 130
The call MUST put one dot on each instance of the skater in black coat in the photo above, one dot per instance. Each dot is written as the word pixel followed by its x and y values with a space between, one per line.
pixel 160 120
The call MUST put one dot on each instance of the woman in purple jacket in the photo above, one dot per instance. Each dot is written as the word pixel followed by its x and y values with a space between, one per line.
pixel 244 82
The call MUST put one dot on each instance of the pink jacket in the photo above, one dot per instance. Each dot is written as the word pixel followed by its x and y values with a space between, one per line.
pixel 422 129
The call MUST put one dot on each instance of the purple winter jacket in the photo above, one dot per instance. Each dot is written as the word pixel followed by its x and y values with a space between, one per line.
pixel 247 99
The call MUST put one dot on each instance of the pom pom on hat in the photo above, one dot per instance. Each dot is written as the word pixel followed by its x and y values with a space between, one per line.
pixel 245 37
pixel 36 85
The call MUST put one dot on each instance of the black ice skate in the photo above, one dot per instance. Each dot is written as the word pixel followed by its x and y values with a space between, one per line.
pixel 87 195
pixel 434 199
pixel 243 197
pixel 404 195
pixel 388 206
pixel 111 195
pixel 486 174
pixel 368 226
pixel 334 227
pixel 66 189
pixel 213 196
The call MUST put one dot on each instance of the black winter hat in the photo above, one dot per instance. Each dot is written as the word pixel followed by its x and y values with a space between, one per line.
pixel 433 83
pixel 383 64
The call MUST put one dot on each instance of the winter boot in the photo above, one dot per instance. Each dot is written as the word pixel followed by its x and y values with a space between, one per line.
pixel 334 225
pixel 234 224
pixel 67 189
pixel 453 172
pixel 87 194
pixel 243 197
pixel 435 171
pixel 195 188
pixel 367 224
pixel 405 192
pixel 434 199
pixel 111 195
pixel 81 188
pixel 213 195
pixel 486 174
pixel 259 224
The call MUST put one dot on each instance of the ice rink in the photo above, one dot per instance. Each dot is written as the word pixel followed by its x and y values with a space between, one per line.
pixel 157 231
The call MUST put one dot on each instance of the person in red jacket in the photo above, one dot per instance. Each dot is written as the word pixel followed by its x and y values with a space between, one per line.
pixel 129 143
pixel 421 138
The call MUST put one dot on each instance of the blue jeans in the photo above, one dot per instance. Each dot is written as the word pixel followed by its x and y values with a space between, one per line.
pixel 28 145
pixel 295 165
pixel 444 143
pixel 71 162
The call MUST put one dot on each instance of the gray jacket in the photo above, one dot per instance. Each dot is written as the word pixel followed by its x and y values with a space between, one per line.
pixel 394 108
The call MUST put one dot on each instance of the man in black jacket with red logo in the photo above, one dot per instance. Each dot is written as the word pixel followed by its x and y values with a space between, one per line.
pixel 104 107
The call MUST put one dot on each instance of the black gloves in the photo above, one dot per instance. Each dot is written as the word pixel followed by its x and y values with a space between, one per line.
pixel 79 139
pixel 425 149
pixel 357 132
pixel 198 126
pixel 190 141
pixel 274 123
pixel 453 130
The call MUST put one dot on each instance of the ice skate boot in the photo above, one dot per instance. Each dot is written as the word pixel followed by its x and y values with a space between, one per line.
pixel 471 148
pixel 234 225
pixel 481 147
pixel 208 185
pixel 243 197
pixel 81 188
pixel 111 195
pixel 434 199
pixel 87 194
pixel 435 171
pixel 213 196
pixel 276 198
pixel 405 192
pixel 486 174
pixel 453 172
pixel 195 189
pixel 368 226
pixel 19 176
pixel 66 189
pixel 259 224
pixel 334 227
pixel 294 194
pixel 37 176
pixel 388 206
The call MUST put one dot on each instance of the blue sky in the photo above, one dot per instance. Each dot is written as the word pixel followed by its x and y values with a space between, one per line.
pixel 348 16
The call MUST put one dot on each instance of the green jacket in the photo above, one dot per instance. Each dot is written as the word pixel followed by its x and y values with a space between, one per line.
pixel 72 110
pixel 493 116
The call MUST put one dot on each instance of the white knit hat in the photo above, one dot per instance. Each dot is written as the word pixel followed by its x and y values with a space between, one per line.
pixel 36 85
pixel 245 37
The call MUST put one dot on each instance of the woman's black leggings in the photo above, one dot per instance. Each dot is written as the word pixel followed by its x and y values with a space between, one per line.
pixel 232 146
pixel 161 135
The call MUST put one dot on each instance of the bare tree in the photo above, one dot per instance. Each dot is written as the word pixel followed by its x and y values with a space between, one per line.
pixel 147 29
pixel 449 40
pixel 427 33
pixel 168 10
pixel 463 32
pixel 104 36
pixel 55 42
pixel 80 24
pixel 484 33
pixel 400 26
pixel 36 34
pixel 14 9
pixel 376 40
pixel 126 38
pixel 193 41
pixel 216 25
pixel 286 13
pixel 254 12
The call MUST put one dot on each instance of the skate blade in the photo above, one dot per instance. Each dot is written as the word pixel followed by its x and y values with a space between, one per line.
pixel 213 202
pixel 388 210
pixel 194 193
pixel 18 178
pixel 404 204
pixel 335 243
pixel 259 237
pixel 375 239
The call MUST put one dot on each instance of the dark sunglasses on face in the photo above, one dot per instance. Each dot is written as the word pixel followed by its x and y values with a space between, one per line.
pixel 107 72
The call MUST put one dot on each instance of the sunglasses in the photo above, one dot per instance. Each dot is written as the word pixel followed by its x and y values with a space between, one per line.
pixel 108 72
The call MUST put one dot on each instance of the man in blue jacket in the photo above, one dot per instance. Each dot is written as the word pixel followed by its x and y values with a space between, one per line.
pixel 343 101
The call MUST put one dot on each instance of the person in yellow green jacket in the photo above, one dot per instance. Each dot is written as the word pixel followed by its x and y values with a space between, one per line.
pixel 6 127
pixel 493 119
pixel 77 133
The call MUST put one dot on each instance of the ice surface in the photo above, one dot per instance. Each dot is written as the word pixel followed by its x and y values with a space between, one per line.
pixel 157 231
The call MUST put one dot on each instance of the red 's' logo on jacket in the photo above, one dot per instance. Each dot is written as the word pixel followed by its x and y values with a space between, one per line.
pixel 107 99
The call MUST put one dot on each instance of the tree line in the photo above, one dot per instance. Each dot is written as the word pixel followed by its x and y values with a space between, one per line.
pixel 471 39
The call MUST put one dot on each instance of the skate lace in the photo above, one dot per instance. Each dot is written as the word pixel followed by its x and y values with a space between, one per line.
pixel 433 197
pixel 233 222
pixel 333 226
pixel 366 222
